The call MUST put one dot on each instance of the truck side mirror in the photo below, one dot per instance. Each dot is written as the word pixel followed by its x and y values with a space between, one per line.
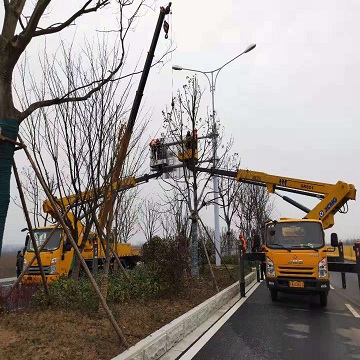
pixel 67 246
pixel 27 239
pixel 334 240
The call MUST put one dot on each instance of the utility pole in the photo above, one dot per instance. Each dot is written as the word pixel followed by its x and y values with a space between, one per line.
pixel 214 136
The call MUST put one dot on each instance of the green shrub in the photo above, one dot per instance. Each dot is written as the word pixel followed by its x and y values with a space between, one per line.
pixel 169 260
pixel 67 294
pixel 144 284
pixel 164 271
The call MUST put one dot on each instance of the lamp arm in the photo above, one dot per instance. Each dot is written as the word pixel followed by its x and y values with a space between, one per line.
pixel 221 67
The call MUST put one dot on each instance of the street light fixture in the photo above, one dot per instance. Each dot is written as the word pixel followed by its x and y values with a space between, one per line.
pixel 249 48
pixel 177 67
pixel 212 83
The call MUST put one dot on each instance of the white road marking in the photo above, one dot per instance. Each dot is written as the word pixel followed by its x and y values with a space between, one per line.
pixel 196 347
pixel 331 287
pixel 352 310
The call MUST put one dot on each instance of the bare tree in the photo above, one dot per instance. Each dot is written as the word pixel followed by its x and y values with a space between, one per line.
pixel 229 190
pixel 193 186
pixel 149 218
pixel 174 215
pixel 31 25
pixel 77 154
pixel 253 208
pixel 33 193
pixel 126 215
pixel 228 241
pixel 183 119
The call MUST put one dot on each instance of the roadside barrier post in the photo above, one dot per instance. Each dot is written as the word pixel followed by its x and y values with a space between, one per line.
pixel 357 256
pixel 341 257
pixel 241 270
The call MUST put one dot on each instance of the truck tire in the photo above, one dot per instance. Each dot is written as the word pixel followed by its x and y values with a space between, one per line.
pixel 323 299
pixel 274 294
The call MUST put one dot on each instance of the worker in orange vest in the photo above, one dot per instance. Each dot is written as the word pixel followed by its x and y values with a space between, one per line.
pixel 243 242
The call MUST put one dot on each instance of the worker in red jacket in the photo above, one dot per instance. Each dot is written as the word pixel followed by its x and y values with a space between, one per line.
pixel 153 147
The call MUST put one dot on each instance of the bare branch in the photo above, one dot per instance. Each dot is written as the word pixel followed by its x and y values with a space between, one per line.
pixel 120 77
pixel 100 83
pixel 60 26
pixel 23 39
pixel 6 5
pixel 57 101
pixel 12 13
pixel 21 23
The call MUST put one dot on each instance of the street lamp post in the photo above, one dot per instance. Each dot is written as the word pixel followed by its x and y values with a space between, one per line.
pixel 212 82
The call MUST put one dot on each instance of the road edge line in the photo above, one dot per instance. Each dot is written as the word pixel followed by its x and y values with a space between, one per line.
pixel 200 343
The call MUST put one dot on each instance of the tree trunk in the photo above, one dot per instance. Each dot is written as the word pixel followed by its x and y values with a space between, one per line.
pixel 76 271
pixel 105 276
pixel 194 246
pixel 9 129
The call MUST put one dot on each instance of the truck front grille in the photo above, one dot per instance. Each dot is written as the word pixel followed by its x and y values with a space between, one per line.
pixel 301 271
pixel 35 270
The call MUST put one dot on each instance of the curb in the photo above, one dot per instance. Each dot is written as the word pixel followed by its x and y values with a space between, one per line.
pixel 161 341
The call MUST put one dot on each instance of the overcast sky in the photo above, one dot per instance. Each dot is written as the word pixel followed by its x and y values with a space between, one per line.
pixel 291 104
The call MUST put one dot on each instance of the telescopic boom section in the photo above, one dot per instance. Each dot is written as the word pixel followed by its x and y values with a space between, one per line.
pixel 90 195
pixel 96 194
pixel 125 140
pixel 333 196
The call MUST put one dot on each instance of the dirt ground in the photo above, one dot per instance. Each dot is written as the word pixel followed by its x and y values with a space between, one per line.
pixel 54 334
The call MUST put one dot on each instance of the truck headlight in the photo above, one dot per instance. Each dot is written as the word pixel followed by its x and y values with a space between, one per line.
pixel 270 269
pixel 322 268
pixel 52 269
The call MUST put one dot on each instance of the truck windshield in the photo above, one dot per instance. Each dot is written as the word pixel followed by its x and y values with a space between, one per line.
pixel 295 235
pixel 41 236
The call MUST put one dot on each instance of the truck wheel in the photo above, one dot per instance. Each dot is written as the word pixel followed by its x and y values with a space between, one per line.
pixel 274 294
pixel 323 299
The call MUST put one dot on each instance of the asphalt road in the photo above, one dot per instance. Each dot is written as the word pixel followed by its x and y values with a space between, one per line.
pixel 352 291
pixel 296 327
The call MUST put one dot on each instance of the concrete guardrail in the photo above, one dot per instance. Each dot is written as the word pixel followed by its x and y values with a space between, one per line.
pixel 7 279
pixel 161 341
